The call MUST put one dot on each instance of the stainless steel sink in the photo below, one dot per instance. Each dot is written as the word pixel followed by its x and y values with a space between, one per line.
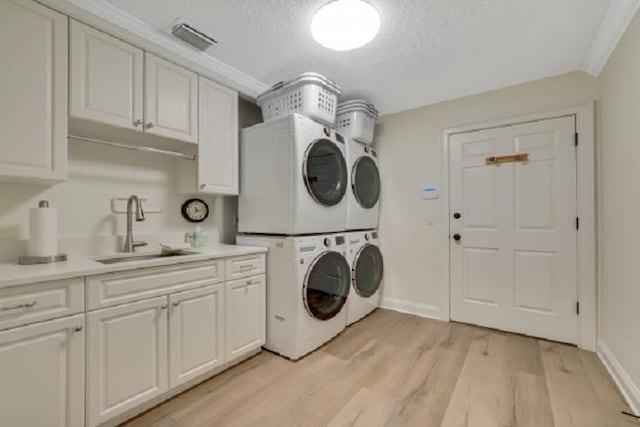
pixel 142 257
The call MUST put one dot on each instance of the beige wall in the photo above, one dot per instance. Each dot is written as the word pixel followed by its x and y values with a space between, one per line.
pixel 96 175
pixel 620 202
pixel 409 146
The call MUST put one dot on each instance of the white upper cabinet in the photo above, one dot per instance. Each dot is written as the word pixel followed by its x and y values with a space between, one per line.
pixel 42 374
pixel 218 141
pixel 33 88
pixel 171 100
pixel 106 78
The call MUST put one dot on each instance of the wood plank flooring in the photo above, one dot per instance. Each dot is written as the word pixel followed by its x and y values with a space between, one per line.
pixel 394 369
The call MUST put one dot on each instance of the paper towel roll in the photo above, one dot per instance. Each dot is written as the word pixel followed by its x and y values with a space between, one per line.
pixel 43 232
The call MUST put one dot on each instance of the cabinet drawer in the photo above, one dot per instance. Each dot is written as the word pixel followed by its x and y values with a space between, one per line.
pixel 21 305
pixel 117 288
pixel 244 266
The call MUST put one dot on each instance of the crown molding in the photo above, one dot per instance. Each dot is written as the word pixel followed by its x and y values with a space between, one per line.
pixel 111 19
pixel 615 23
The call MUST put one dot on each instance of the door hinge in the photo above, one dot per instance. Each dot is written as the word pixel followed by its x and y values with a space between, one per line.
pixel 577 223
pixel 578 307
pixel 576 139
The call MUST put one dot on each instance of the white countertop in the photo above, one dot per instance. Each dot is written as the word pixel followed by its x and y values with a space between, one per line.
pixel 14 274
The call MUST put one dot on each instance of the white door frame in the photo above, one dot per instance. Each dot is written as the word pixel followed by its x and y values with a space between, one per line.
pixel 586 208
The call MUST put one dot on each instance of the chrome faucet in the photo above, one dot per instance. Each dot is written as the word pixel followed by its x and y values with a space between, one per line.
pixel 130 245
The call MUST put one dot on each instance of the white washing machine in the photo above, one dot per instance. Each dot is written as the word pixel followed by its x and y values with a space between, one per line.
pixel 363 196
pixel 293 178
pixel 365 260
pixel 308 282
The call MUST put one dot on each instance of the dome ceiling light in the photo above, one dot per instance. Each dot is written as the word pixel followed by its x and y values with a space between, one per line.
pixel 345 24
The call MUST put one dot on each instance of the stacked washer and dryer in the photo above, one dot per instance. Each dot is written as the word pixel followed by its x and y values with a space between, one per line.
pixel 303 187
pixel 356 120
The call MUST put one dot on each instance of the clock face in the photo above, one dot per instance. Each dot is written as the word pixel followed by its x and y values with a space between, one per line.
pixel 195 210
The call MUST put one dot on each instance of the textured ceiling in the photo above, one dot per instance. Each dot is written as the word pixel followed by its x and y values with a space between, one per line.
pixel 427 50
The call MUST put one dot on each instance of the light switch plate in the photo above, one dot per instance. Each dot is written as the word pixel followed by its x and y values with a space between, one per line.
pixel 430 192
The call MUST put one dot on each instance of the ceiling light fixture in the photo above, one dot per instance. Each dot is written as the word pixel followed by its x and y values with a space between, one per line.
pixel 345 24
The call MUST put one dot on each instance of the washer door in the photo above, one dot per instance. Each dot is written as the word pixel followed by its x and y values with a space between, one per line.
pixel 325 172
pixel 367 270
pixel 326 285
pixel 365 182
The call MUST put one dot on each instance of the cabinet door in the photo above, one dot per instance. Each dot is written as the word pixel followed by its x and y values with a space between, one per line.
pixel 245 307
pixel 196 333
pixel 218 139
pixel 33 84
pixel 42 374
pixel 126 357
pixel 105 78
pixel 170 100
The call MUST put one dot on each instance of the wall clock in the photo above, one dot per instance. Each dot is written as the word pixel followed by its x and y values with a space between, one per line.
pixel 195 210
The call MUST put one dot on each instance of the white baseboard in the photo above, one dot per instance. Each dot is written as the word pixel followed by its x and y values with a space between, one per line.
pixel 403 306
pixel 629 390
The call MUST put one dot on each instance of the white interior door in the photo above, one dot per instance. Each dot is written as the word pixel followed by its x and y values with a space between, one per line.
pixel 513 227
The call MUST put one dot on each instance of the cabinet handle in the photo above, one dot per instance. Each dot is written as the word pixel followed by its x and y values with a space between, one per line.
pixel 19 306
pixel 176 303
pixel 246 267
pixel 77 329
pixel 137 123
pixel 164 307
pixel 203 186
pixel 149 125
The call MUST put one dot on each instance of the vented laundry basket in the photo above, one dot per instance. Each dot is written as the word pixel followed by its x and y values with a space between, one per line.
pixel 309 94
pixel 357 120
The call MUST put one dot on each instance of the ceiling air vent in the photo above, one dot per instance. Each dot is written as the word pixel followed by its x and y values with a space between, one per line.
pixel 190 35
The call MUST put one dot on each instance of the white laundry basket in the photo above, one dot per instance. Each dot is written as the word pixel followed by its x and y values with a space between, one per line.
pixel 309 94
pixel 357 120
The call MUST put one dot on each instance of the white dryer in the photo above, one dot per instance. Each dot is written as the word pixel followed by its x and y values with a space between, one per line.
pixel 308 282
pixel 365 260
pixel 363 197
pixel 293 178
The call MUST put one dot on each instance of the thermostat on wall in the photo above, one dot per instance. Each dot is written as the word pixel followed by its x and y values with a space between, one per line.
pixel 430 192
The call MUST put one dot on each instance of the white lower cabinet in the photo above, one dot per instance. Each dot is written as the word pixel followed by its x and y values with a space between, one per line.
pixel 196 333
pixel 245 315
pixel 126 357
pixel 42 374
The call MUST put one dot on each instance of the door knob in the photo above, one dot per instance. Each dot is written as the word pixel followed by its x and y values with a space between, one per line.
pixel 457 215
pixel 457 237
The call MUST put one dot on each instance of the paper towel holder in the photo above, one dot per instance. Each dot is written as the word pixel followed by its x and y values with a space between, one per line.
pixel 32 260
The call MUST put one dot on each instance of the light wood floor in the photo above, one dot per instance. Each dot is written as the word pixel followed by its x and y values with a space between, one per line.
pixel 394 369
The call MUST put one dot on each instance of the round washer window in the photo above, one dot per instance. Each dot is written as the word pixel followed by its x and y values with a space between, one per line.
pixel 327 285
pixel 366 182
pixel 367 271
pixel 325 172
